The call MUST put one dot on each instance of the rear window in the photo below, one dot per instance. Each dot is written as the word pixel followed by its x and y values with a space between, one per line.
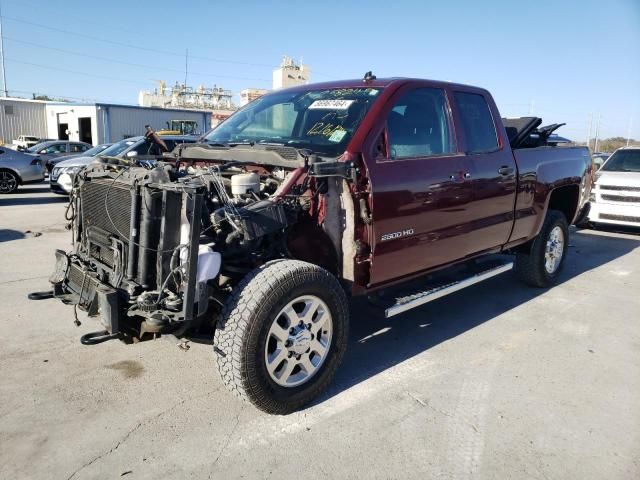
pixel 477 122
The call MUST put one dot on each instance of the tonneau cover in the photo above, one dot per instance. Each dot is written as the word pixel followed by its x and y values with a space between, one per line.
pixel 519 129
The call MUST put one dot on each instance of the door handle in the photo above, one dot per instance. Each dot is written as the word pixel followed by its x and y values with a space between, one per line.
pixel 460 176
pixel 505 170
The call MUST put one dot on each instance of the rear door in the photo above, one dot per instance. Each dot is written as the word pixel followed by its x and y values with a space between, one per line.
pixel 419 194
pixel 491 170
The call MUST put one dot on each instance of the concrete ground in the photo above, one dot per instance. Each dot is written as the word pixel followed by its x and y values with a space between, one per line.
pixel 498 381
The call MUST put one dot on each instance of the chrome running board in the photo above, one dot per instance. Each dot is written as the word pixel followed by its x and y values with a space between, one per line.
pixel 420 298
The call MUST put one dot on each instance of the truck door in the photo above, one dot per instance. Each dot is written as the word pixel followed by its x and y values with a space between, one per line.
pixel 419 193
pixel 492 171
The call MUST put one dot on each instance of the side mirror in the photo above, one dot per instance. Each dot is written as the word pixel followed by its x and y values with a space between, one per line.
pixel 131 154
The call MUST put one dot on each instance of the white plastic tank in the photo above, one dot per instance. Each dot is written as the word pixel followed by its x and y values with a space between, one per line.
pixel 243 183
pixel 209 263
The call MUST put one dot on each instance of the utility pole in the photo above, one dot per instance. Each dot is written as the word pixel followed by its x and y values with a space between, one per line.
pixel 629 131
pixel 595 147
pixel 186 68
pixel 590 129
pixel 4 75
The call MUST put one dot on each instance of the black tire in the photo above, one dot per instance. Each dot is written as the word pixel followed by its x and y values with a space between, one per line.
pixel 240 339
pixel 530 267
pixel 9 182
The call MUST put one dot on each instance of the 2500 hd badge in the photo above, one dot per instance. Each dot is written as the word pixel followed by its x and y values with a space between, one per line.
pixel 394 235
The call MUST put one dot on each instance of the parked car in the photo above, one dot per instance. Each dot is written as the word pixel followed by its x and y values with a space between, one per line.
pixel 49 151
pixel 18 168
pixel 25 141
pixel 306 196
pixel 62 175
pixel 616 196
pixel 599 158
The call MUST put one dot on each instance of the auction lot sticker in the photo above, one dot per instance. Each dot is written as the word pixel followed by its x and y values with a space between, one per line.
pixel 331 104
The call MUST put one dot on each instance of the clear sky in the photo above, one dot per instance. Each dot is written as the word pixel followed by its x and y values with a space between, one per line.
pixel 561 60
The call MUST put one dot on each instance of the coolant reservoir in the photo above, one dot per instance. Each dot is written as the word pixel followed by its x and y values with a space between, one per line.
pixel 208 263
pixel 243 183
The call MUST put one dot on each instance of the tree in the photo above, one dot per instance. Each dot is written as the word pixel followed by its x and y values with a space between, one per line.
pixel 612 144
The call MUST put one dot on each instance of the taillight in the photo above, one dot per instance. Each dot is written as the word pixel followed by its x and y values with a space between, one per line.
pixel 36 161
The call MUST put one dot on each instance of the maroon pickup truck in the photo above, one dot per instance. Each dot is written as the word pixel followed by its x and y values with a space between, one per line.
pixel 404 190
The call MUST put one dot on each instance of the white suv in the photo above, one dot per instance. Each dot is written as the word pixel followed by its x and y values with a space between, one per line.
pixel 616 196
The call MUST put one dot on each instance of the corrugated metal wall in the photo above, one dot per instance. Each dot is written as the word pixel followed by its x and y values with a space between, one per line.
pixel 130 121
pixel 19 117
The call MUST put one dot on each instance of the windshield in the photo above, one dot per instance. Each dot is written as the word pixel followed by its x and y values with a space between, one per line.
pixel 322 121
pixel 623 161
pixel 117 148
pixel 92 152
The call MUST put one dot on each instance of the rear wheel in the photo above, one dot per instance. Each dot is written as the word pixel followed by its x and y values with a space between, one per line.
pixel 9 181
pixel 541 266
pixel 282 335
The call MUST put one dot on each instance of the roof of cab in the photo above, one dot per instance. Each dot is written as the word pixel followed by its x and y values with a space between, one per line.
pixel 374 83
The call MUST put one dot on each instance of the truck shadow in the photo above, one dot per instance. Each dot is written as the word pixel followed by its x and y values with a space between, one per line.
pixel 6 235
pixel 377 344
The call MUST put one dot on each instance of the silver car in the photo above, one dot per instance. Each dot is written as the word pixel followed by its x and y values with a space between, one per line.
pixel 18 168
pixel 50 151
pixel 63 174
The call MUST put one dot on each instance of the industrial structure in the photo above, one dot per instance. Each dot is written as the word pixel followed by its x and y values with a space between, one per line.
pixel 290 74
pixel 183 96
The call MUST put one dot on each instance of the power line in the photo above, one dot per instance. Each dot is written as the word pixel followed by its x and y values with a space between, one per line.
pixel 137 47
pixel 132 64
pixel 75 72
pixel 153 50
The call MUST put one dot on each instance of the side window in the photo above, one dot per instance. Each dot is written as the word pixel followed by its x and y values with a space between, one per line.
pixel 60 148
pixel 418 125
pixel 78 147
pixel 477 122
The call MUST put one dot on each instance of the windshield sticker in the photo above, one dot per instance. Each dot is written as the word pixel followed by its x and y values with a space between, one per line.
pixel 331 105
pixel 337 136
pixel 321 129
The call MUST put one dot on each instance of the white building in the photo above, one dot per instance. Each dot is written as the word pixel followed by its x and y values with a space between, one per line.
pixel 290 74
pixel 105 123
pixel 19 116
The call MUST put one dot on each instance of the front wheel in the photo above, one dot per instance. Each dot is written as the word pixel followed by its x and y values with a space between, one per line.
pixel 541 266
pixel 8 181
pixel 282 335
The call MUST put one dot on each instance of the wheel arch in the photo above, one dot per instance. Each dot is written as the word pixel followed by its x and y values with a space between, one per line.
pixel 565 199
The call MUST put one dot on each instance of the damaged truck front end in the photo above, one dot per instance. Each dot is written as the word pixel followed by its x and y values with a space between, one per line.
pixel 136 252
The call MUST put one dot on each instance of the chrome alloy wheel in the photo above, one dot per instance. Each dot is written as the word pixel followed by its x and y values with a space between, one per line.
pixel 554 250
pixel 8 182
pixel 298 341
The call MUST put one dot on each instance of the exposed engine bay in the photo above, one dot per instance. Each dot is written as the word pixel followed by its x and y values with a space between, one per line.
pixel 158 247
